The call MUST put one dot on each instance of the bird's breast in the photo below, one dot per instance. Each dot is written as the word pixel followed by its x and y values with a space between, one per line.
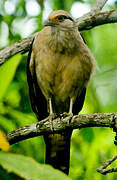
pixel 59 75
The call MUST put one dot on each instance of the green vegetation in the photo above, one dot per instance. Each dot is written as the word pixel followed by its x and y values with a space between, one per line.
pixel 90 147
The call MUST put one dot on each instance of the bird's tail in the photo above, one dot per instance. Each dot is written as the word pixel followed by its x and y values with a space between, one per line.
pixel 58 150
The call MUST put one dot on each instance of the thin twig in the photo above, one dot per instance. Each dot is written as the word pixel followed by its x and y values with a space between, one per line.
pixel 103 170
pixel 99 4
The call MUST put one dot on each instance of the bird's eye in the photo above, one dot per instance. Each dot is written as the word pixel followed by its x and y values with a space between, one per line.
pixel 60 18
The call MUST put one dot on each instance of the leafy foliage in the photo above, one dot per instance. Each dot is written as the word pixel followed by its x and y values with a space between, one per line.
pixel 17 164
pixel 90 147
pixel 7 72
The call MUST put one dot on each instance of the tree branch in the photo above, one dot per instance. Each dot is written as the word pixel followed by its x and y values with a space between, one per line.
pixel 62 123
pixel 86 22
pixel 18 47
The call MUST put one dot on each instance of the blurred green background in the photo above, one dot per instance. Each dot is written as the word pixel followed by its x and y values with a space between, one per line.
pixel 90 147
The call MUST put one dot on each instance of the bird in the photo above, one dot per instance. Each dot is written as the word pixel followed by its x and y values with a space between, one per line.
pixel 58 72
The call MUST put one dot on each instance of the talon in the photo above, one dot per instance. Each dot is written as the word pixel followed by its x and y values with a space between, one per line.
pixel 65 114
pixel 51 117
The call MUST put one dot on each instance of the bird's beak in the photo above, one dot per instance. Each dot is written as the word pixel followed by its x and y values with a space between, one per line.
pixel 48 23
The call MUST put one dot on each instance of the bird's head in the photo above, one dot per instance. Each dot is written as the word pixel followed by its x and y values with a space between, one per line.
pixel 60 19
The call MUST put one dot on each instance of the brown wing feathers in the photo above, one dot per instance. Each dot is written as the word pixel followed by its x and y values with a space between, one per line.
pixel 38 101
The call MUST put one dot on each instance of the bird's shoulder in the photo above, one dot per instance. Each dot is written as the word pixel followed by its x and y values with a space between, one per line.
pixel 43 35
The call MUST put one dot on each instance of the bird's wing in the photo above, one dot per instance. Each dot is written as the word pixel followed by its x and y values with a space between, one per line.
pixel 38 101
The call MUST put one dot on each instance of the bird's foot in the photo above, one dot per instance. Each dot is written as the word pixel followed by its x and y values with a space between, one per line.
pixel 51 117
pixel 65 114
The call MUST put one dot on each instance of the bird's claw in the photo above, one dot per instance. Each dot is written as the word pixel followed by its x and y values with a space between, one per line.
pixel 65 114
pixel 51 117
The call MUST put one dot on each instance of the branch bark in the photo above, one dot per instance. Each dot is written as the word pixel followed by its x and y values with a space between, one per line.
pixel 62 123
pixel 18 47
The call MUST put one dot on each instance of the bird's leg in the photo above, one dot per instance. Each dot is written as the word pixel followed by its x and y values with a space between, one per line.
pixel 52 114
pixel 50 106
pixel 70 113
pixel 70 107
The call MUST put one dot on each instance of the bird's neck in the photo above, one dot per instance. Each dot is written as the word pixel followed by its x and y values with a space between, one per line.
pixel 63 40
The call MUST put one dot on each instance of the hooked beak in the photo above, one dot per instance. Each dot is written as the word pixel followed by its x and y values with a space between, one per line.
pixel 48 23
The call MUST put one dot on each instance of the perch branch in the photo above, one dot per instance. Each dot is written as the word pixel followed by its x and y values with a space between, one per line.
pixel 86 22
pixel 103 170
pixel 62 123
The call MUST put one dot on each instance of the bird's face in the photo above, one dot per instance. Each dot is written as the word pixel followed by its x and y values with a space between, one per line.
pixel 60 19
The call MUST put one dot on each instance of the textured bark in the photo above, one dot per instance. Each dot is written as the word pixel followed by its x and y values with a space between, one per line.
pixel 18 47
pixel 62 123
pixel 91 20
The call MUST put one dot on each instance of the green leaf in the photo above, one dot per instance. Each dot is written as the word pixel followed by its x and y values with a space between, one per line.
pixel 6 125
pixel 28 168
pixel 7 72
